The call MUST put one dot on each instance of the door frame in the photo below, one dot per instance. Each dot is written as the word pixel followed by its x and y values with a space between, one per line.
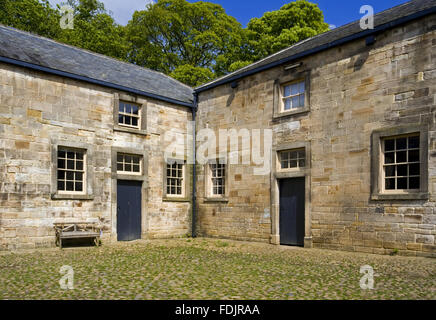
pixel 276 176
pixel 127 177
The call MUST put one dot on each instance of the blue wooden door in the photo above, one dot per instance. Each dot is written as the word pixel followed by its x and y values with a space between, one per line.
pixel 292 210
pixel 129 197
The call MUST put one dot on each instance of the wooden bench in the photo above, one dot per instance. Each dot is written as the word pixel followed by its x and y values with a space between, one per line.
pixel 77 230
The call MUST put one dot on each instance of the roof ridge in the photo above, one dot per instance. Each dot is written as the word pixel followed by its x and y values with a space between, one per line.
pixel 347 25
pixel 88 51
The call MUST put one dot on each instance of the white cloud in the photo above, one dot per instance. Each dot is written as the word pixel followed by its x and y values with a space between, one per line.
pixel 122 10
pixel 332 26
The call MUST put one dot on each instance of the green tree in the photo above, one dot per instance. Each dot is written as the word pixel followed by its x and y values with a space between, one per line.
pixel 32 16
pixel 185 39
pixel 95 30
pixel 280 29
pixel 192 76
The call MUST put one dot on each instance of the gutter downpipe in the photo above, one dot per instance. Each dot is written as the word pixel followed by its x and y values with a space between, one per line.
pixel 194 168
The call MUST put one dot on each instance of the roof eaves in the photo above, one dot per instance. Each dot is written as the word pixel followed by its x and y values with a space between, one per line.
pixel 93 81
pixel 362 34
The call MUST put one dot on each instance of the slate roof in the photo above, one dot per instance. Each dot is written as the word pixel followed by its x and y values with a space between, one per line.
pixel 36 50
pixel 326 39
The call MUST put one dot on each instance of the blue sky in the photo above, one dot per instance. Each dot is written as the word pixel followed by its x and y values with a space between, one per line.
pixel 336 12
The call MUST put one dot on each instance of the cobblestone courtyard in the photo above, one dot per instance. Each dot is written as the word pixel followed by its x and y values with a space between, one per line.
pixel 211 269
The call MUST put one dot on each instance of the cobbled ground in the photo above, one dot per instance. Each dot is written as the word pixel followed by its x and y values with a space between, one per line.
pixel 211 269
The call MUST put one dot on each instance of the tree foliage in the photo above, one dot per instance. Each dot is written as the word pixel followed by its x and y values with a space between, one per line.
pixel 192 76
pixel 280 29
pixel 32 16
pixel 95 30
pixel 192 42
pixel 172 34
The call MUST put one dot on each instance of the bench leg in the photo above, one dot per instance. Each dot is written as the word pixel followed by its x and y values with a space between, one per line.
pixel 60 242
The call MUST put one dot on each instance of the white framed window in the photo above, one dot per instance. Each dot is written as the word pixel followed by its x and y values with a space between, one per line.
pixel 129 115
pixel 175 178
pixel 292 159
pixel 217 179
pixel 293 96
pixel 129 164
pixel 71 171
pixel 401 159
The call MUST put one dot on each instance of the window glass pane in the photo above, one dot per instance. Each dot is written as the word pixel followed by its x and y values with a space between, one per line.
pixel 287 92
pixel 70 186
pixel 389 145
pixel 70 175
pixel 414 183
pixel 70 164
pixel 414 169
pixel 401 157
pixel 402 183
pixel 135 122
pixel 79 176
pixel 61 185
pixel 61 164
pixel 390 184
pixel 121 107
pixel 61 154
pixel 136 168
pixel 390 171
pixel 70 155
pixel 294 89
pixel 294 163
pixel 402 171
pixel 121 119
pixel 295 102
pixel 390 158
pixel 128 108
pixel 402 144
pixel 79 165
pixel 79 155
pixel 287 104
pixel 302 87
pixel 414 156
pixel 135 110
pixel 302 163
pixel 302 100
pixel 413 142
pixel 79 186
pixel 61 175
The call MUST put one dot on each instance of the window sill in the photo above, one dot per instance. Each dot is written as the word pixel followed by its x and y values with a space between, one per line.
pixel 401 196
pixel 175 199
pixel 216 199
pixel 279 115
pixel 58 196
pixel 118 128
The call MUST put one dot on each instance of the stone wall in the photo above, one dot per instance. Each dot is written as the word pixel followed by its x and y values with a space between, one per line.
pixel 355 90
pixel 38 110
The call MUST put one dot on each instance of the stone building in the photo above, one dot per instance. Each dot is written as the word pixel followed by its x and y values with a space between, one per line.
pixel 76 130
pixel 352 113
pixel 352 118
